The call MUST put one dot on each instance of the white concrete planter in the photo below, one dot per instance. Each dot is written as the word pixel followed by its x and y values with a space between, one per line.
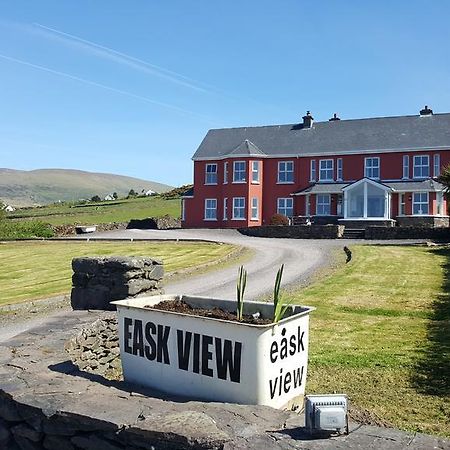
pixel 215 359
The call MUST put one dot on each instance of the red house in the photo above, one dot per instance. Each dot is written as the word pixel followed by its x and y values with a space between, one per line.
pixel 378 171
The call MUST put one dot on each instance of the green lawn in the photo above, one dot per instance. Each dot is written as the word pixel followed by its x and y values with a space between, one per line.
pixel 30 270
pixel 102 212
pixel 381 334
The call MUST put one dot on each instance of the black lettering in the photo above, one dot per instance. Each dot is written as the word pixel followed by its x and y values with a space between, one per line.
pixel 287 382
pixel 273 387
pixel 127 322
pixel 163 350
pixel 206 355
pixel 150 349
pixel 283 349
pixel 298 376
pixel 196 356
pixel 273 351
pixel 292 345
pixel 227 360
pixel 300 340
pixel 138 338
pixel 281 381
pixel 184 349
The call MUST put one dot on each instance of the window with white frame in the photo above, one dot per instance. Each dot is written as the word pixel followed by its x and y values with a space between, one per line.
pixel 372 168
pixel 225 172
pixel 255 171
pixel 211 174
pixel 436 165
pixel 326 170
pixel 420 203
pixel 312 171
pixel 286 172
pixel 421 166
pixel 402 205
pixel 238 208
pixel 285 206
pixel 323 207
pixel 405 166
pixel 225 208
pixel 210 209
pixel 239 169
pixel 255 209
pixel 339 169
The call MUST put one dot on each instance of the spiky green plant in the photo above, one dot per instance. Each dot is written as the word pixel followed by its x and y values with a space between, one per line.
pixel 240 289
pixel 279 309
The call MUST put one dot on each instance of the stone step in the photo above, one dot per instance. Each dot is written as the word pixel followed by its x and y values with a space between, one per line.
pixel 354 233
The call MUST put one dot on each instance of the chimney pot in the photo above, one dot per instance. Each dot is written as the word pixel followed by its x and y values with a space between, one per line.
pixel 335 117
pixel 426 111
pixel 308 120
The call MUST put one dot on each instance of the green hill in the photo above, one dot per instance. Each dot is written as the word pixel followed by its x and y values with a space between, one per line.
pixel 44 186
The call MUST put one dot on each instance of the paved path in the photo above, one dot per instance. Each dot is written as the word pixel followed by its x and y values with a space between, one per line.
pixel 300 257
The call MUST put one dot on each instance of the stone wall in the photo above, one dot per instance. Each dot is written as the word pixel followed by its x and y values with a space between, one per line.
pixel 422 221
pixel 155 223
pixel 438 234
pixel 68 230
pixel 95 349
pixel 295 231
pixel 97 281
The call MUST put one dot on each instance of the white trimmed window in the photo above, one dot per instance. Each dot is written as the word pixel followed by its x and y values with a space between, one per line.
pixel 210 209
pixel 255 209
pixel 420 203
pixel 225 173
pixel 405 167
pixel 436 165
pixel 340 165
pixel 313 171
pixel 211 174
pixel 421 166
pixel 285 206
pixel 225 208
pixel 239 169
pixel 372 168
pixel 402 205
pixel 323 207
pixel 326 170
pixel 285 171
pixel 238 208
pixel 255 171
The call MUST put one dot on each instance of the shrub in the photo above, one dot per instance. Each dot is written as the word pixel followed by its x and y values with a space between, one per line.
pixel 24 230
pixel 279 219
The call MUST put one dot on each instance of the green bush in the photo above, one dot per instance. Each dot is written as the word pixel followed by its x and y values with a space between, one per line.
pixel 279 219
pixel 24 230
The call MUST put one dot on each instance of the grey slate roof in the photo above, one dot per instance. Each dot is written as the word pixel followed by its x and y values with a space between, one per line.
pixel 428 185
pixel 246 148
pixel 382 134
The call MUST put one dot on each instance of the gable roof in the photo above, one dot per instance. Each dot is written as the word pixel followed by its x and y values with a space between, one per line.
pixel 246 148
pixel 376 135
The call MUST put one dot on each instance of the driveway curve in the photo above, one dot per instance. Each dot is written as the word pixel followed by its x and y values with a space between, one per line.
pixel 301 259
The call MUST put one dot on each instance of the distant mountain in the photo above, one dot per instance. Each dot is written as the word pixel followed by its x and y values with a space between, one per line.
pixel 44 186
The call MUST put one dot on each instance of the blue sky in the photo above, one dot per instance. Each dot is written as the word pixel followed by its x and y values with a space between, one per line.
pixel 131 87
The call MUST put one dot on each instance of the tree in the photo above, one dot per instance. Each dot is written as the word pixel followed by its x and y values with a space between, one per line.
pixel 132 193
pixel 115 196
pixel 96 198
pixel 444 178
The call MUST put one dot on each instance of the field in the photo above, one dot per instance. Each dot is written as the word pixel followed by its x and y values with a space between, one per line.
pixel 102 212
pixel 31 270
pixel 381 334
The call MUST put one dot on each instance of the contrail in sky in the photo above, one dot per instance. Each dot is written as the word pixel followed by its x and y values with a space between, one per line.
pixel 108 88
pixel 125 59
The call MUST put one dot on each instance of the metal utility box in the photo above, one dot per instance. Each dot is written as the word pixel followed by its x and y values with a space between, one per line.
pixel 326 412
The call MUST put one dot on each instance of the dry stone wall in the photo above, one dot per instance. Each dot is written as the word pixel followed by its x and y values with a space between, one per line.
pixel 97 281
pixel 295 231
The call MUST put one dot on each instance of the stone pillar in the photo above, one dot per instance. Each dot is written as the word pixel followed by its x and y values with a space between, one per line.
pixel 97 281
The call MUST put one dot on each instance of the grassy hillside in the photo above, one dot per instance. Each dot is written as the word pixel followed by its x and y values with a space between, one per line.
pixel 102 212
pixel 44 186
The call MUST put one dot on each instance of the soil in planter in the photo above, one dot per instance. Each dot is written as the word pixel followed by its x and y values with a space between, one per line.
pixel 215 313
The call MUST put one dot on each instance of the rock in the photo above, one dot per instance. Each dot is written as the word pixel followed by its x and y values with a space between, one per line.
pixel 26 432
pixel 5 434
pixel 57 443
pixel 93 442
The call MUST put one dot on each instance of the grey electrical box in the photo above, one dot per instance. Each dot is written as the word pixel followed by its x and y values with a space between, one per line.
pixel 326 412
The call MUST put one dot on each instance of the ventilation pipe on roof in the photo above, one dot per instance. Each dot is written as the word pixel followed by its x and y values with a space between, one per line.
pixel 308 120
pixel 426 111
pixel 335 117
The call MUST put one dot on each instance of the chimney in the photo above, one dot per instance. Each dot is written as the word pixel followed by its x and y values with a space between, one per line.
pixel 426 111
pixel 335 117
pixel 308 120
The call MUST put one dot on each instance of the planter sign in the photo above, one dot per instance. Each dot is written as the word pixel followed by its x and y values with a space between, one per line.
pixel 214 359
